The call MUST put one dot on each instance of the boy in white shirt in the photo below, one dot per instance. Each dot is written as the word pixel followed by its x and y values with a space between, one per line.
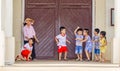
pixel 61 43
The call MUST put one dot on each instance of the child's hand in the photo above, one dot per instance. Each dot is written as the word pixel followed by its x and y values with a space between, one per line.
pixel 69 42
pixel 38 41
pixel 78 27
pixel 76 39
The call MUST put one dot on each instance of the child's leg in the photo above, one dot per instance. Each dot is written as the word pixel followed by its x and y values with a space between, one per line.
pixel 81 57
pixel 78 57
pixel 87 54
pixel 60 55
pixel 102 57
pixel 29 56
pixel 65 56
pixel 96 57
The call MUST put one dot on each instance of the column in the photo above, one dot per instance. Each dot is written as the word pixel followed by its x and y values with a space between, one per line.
pixel 116 40
pixel 2 46
pixel 8 28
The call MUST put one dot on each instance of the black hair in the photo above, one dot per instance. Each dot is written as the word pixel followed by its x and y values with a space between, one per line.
pixel 24 24
pixel 80 29
pixel 103 33
pixel 87 30
pixel 97 30
pixel 61 28
pixel 31 39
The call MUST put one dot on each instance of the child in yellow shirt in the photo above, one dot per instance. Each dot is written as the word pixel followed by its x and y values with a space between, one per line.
pixel 103 44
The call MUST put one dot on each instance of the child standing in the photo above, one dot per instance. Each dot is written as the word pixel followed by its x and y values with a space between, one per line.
pixel 79 37
pixel 61 43
pixel 88 46
pixel 103 44
pixel 26 51
pixel 96 44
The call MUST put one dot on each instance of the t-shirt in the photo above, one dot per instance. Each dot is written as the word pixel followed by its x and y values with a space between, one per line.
pixel 78 42
pixel 103 43
pixel 88 42
pixel 61 40
pixel 27 46
pixel 97 44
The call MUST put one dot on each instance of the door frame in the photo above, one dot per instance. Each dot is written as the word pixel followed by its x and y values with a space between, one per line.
pixel 93 19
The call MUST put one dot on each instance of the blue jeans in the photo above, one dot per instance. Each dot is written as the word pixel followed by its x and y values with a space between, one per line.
pixel 78 50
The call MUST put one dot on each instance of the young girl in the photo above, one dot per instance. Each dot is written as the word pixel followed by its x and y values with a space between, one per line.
pixel 26 51
pixel 88 46
pixel 103 44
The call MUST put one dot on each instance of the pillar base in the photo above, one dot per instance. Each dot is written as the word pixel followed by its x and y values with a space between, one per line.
pixel 2 48
pixel 10 50
pixel 116 51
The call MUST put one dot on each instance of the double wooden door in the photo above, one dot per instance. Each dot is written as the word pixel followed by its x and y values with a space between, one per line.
pixel 49 15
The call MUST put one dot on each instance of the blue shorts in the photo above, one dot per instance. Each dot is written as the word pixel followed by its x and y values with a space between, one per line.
pixel 97 51
pixel 78 50
pixel 89 49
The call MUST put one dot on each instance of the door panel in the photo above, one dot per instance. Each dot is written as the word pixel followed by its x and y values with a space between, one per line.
pixel 44 16
pixel 49 15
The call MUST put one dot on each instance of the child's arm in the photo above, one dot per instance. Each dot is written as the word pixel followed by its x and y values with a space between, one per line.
pixel 76 30
pixel 103 43
pixel 84 40
pixel 56 40
pixel 68 41
pixel 36 39
pixel 24 32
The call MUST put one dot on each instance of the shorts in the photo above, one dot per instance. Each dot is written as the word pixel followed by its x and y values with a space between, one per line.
pixel 97 51
pixel 25 53
pixel 102 49
pixel 78 50
pixel 62 49
pixel 89 49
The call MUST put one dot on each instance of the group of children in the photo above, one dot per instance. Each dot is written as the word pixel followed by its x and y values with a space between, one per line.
pixel 98 43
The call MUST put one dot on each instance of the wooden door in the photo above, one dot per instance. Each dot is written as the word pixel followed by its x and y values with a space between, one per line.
pixel 75 13
pixel 44 14
pixel 49 15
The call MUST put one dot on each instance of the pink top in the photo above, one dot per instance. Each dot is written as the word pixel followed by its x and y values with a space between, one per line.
pixel 28 32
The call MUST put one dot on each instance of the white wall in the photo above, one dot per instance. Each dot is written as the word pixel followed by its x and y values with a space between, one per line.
pixel 109 28
pixel 17 21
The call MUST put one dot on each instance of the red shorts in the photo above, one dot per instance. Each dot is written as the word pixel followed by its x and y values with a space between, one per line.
pixel 25 53
pixel 62 49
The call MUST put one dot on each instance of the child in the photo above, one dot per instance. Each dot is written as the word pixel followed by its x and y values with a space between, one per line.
pixel 26 51
pixel 103 44
pixel 79 37
pixel 88 46
pixel 61 43
pixel 96 44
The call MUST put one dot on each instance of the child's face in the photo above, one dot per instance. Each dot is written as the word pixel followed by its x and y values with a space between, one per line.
pixel 79 32
pixel 63 31
pixel 101 36
pixel 84 32
pixel 95 33
pixel 28 22
pixel 30 42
